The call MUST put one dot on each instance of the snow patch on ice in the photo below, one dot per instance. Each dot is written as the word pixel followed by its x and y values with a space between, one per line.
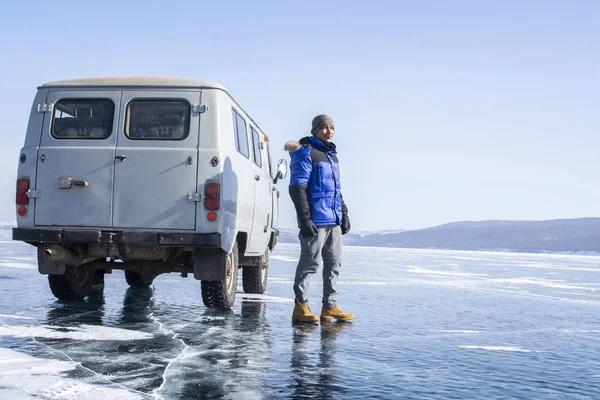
pixel 18 265
pixel 498 348
pixel 82 332
pixel 26 377
pixel 265 298
pixel 14 316
pixel 541 282
pixel 279 281
pixel 417 270
pixel 206 318
pixel 22 258
pixel 284 258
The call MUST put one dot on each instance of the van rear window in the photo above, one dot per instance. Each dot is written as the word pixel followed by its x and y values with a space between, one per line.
pixel 158 119
pixel 83 118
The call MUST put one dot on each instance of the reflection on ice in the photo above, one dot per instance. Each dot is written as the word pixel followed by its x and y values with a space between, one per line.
pixel 315 373
pixel 137 305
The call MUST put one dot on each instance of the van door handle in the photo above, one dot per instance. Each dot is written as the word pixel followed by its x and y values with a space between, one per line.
pixel 80 183
pixel 121 158
pixel 257 177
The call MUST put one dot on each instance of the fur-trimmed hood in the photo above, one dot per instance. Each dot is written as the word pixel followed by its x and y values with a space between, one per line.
pixel 292 146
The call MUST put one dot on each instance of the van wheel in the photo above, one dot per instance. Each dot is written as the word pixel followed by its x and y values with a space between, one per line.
pixel 254 277
pixel 221 294
pixel 135 279
pixel 75 284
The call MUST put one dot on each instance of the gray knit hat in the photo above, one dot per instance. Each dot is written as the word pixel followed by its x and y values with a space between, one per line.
pixel 319 122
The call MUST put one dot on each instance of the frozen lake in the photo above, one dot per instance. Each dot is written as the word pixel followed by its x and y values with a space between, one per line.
pixel 430 324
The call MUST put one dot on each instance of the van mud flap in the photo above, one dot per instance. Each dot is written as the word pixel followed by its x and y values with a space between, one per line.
pixel 210 264
pixel 47 266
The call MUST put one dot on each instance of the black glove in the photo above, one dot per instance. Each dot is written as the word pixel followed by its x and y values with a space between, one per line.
pixel 345 224
pixel 308 228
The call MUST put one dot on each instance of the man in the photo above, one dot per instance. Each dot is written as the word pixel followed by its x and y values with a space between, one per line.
pixel 322 215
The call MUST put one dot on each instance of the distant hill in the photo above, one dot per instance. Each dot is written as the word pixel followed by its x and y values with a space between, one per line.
pixel 581 235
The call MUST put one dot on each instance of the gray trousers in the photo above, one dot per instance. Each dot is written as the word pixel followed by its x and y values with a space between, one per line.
pixel 325 246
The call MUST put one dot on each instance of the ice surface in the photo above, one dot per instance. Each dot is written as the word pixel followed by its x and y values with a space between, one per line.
pixel 430 324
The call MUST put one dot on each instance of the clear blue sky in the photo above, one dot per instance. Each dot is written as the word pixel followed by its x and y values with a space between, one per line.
pixel 444 111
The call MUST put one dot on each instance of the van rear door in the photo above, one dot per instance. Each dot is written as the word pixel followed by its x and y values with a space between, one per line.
pixel 76 159
pixel 155 160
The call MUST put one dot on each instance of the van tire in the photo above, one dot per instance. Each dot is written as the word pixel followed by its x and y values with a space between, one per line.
pixel 75 284
pixel 135 279
pixel 221 294
pixel 254 277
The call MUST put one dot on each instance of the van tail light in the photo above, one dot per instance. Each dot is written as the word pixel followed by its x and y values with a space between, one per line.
pixel 212 196
pixel 22 189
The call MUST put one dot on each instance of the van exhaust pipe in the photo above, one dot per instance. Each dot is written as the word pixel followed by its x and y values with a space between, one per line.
pixel 69 257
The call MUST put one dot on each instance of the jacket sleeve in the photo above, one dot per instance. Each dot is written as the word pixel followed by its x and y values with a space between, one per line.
pixel 300 171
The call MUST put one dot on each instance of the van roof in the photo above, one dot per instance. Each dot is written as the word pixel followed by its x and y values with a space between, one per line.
pixel 135 81
pixel 144 81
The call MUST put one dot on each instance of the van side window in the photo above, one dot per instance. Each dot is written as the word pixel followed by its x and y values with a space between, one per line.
pixel 83 119
pixel 241 135
pixel 158 119
pixel 256 146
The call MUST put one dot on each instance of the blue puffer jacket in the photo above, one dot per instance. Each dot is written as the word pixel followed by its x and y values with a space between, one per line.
pixel 315 185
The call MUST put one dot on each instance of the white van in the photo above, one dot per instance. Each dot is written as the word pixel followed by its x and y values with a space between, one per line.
pixel 146 175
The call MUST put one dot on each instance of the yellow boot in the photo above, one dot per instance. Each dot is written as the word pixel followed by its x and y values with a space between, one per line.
pixel 327 314
pixel 302 313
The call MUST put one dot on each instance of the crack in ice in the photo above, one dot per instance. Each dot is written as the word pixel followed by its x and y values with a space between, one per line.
pixel 155 392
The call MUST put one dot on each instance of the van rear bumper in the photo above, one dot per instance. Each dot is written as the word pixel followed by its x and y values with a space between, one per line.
pixel 74 236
